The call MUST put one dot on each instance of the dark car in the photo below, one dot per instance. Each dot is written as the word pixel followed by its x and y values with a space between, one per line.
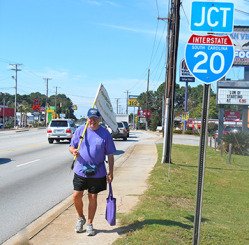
pixel 232 129
pixel 127 128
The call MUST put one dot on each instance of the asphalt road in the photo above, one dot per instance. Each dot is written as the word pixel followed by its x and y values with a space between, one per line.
pixel 35 176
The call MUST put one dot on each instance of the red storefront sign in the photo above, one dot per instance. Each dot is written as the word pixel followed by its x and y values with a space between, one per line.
pixel 232 115
pixel 142 113
pixel 7 112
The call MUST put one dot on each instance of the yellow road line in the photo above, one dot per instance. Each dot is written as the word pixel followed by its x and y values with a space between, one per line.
pixel 26 147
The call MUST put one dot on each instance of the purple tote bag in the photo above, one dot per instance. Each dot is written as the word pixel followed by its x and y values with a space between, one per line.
pixel 110 214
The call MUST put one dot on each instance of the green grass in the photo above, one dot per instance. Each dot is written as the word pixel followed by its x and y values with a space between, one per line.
pixel 165 213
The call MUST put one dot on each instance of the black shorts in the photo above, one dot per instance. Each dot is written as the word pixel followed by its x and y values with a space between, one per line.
pixel 93 185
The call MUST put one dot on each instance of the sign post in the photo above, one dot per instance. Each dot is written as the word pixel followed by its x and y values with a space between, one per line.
pixel 208 58
pixel 185 76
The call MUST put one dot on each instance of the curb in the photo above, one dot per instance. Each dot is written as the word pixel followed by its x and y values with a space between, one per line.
pixel 44 220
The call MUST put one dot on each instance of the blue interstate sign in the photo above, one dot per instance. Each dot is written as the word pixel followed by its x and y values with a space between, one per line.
pixel 209 57
pixel 214 17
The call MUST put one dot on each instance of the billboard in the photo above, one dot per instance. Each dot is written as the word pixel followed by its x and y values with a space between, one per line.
pixel 185 75
pixel 240 39
pixel 142 113
pixel 232 116
pixel 133 100
pixel 181 116
pixel 233 96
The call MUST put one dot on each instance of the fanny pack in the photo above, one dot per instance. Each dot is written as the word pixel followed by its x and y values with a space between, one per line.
pixel 90 169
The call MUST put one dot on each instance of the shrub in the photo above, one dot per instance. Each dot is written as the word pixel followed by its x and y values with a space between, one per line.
pixel 177 131
pixel 9 125
pixel 212 127
pixel 239 141
pixel 188 132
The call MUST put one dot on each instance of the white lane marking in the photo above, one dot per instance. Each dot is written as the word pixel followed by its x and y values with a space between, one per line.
pixel 20 165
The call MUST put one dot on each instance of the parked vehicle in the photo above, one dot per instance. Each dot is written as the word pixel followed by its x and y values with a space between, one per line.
pixel 232 129
pixel 60 129
pixel 120 133
pixel 127 128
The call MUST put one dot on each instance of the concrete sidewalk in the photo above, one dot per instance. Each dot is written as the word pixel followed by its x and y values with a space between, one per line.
pixel 57 226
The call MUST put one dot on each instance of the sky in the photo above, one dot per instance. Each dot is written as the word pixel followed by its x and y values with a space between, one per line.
pixel 79 44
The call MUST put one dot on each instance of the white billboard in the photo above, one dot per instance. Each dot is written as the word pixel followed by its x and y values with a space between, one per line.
pixel 240 39
pixel 233 96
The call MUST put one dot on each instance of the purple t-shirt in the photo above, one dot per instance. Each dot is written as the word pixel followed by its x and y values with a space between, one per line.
pixel 95 146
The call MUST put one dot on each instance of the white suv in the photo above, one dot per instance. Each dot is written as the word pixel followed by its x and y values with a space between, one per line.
pixel 120 133
pixel 60 129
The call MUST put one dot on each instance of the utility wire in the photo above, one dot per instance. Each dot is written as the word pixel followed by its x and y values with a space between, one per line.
pixel 242 12
pixel 152 53
pixel 181 5
pixel 157 8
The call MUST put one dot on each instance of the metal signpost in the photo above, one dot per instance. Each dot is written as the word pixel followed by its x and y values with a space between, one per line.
pixel 185 76
pixel 208 58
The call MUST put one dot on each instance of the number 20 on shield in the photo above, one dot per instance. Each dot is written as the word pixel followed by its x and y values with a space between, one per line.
pixel 209 57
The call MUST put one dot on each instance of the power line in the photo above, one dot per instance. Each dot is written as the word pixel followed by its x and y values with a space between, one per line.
pixel 242 12
pixel 181 5
pixel 157 8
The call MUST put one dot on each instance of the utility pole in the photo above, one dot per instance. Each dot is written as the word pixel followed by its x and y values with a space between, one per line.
pixel 173 36
pixel 147 95
pixel 55 102
pixel 127 100
pixel 15 69
pixel 117 104
pixel 46 79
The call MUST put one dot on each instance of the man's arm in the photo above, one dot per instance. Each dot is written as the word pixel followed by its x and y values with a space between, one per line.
pixel 111 165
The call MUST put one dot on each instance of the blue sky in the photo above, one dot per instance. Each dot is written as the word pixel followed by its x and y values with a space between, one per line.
pixel 80 43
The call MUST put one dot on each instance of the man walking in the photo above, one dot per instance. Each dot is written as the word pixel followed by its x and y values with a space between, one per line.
pixel 96 144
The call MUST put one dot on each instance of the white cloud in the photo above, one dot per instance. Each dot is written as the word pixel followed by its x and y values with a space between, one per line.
pixel 95 3
pixel 113 4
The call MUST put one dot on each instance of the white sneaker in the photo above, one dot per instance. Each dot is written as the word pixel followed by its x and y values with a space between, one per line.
pixel 89 230
pixel 79 225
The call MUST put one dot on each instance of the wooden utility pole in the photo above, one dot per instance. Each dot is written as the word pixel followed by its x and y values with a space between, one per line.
pixel 170 80
pixel 147 95
pixel 117 104
pixel 127 100
pixel 46 79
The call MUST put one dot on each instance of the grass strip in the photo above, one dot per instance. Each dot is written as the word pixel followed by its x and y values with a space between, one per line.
pixel 165 213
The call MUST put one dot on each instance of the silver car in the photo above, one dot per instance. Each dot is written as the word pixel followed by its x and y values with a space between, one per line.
pixel 120 133
pixel 60 129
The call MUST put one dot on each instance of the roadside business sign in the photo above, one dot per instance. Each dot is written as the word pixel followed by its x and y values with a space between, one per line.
pixel 181 116
pixel 240 38
pixel 233 96
pixel 209 57
pixel 36 113
pixel 232 115
pixel 36 106
pixel 142 113
pixel 216 17
pixel 185 75
pixel 133 100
